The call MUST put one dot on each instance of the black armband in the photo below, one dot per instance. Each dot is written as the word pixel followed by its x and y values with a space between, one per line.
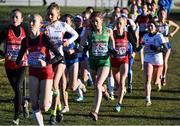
pixel 162 48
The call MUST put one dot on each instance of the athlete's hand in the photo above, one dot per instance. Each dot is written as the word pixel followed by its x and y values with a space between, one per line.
pixel 42 62
pixel 133 55
pixel 171 34
pixel 71 51
pixel 65 43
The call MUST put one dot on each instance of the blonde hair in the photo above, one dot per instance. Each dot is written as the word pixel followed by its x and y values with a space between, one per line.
pixel 54 6
pixel 35 15
pixel 119 19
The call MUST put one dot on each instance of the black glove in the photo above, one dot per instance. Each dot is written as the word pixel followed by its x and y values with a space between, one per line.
pixel 153 47
pixel 86 48
pixel 113 51
pixel 138 49
pixel 2 53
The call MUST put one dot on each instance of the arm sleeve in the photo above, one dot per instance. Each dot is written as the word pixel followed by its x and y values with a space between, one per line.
pixel 132 41
pixel 3 35
pixel 22 51
pixel 70 30
pixel 50 46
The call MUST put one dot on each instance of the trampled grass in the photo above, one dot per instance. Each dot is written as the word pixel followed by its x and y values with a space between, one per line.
pixel 165 109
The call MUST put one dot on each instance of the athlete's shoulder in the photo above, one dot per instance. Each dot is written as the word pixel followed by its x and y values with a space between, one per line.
pixel 158 34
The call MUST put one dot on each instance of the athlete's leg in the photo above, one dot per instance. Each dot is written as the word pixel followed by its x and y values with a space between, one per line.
pixel 102 74
pixel 148 75
pixel 84 70
pixel 122 88
pixel 64 93
pixel 73 76
pixel 111 85
pixel 34 87
pixel 16 78
pixel 45 94
pixel 58 71
pixel 142 58
pixel 130 74
pixel 166 58
pixel 157 76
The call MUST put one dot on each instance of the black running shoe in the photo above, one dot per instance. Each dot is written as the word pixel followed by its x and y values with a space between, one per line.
pixel 52 120
pixel 59 116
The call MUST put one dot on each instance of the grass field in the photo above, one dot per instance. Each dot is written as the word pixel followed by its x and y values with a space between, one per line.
pixel 165 109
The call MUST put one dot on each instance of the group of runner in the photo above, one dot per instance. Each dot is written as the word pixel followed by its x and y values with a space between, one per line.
pixel 62 57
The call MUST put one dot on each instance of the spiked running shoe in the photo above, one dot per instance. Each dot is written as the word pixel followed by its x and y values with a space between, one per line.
pixel 52 120
pixel 79 99
pixel 148 103
pixel 93 115
pixel 16 121
pixel 59 116
pixel 65 109
pixel 117 108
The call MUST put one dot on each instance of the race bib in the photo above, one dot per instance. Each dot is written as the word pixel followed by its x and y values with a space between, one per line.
pixel 12 52
pixel 34 58
pixel 100 49
pixel 122 50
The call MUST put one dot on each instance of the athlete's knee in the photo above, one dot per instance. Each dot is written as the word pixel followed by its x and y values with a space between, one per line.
pixel 45 108
pixel 73 88
pixel 99 87
pixel 56 93
pixel 35 107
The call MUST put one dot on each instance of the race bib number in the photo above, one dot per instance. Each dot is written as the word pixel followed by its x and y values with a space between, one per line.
pixel 12 52
pixel 100 49
pixel 34 58
pixel 122 49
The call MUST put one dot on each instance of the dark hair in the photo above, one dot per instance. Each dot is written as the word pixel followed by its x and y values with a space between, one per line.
pixel 161 9
pixel 116 7
pixel 16 10
pixel 96 14
pixel 90 8
pixel 153 22
pixel 67 16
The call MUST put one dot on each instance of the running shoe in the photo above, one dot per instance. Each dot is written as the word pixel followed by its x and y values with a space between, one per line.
pixel 79 99
pixel 163 81
pixel 158 87
pixel 129 89
pixel 117 108
pixel 52 120
pixel 89 82
pixel 111 97
pixel 65 109
pixel 148 103
pixel 16 121
pixel 25 109
pixel 59 116
pixel 93 115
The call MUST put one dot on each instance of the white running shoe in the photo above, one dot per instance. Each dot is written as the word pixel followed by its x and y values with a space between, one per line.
pixel 79 99
pixel 148 103
pixel 65 109
pixel 82 86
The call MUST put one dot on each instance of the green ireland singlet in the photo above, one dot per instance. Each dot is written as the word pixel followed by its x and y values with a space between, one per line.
pixel 98 53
